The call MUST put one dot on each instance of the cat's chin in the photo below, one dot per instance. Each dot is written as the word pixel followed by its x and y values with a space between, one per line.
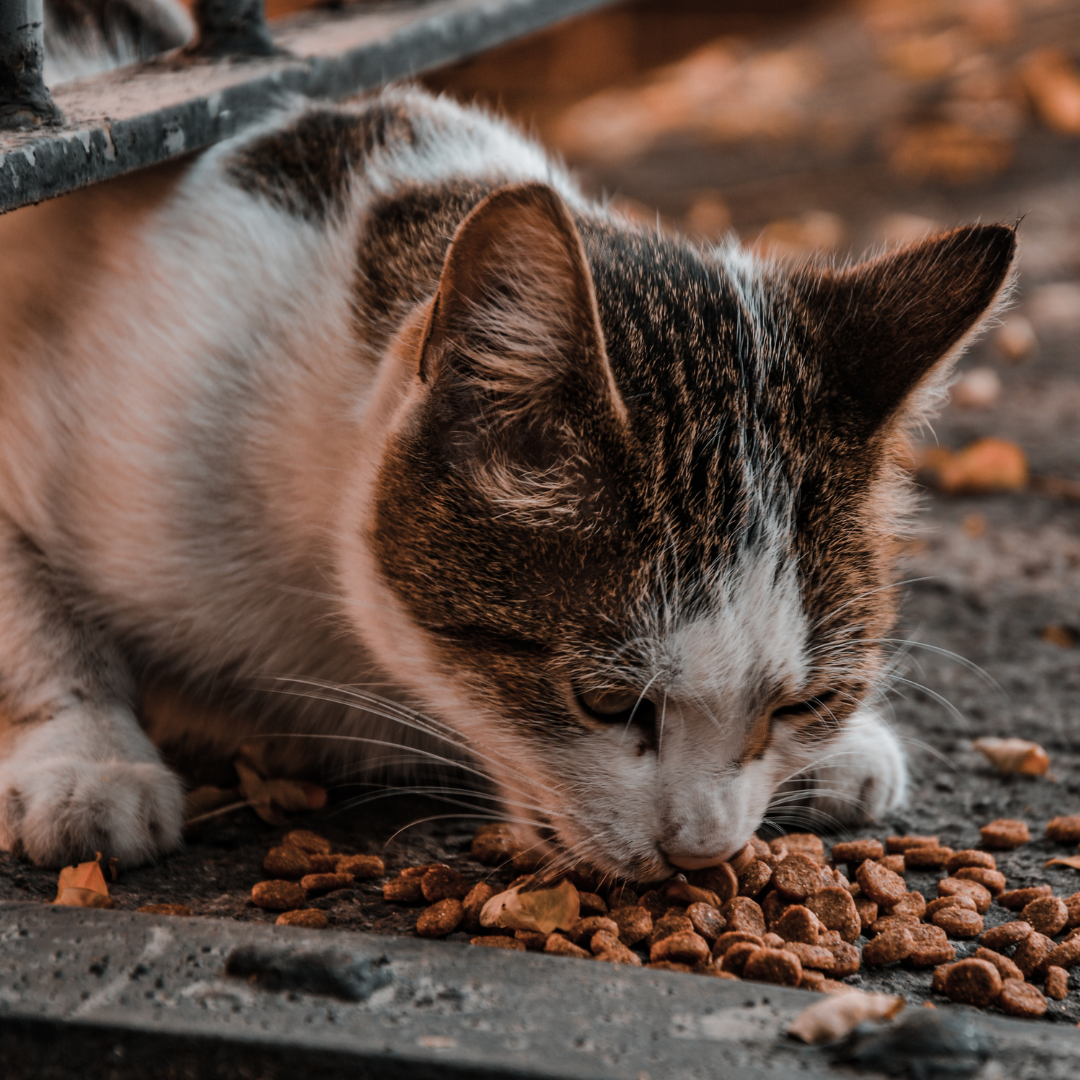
pixel 863 777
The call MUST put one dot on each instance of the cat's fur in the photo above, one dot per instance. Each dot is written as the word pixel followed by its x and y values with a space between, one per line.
pixel 374 396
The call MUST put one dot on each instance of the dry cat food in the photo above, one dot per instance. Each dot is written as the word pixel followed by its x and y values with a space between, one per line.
pixel 783 912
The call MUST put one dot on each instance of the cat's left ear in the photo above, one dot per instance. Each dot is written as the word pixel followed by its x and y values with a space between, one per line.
pixel 514 328
pixel 885 329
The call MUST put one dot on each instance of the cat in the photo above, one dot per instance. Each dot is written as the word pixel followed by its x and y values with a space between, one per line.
pixel 368 426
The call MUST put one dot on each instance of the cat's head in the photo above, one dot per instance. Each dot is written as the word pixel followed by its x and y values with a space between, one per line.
pixel 633 518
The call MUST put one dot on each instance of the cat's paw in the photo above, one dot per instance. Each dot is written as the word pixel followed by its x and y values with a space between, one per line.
pixel 57 811
pixel 862 775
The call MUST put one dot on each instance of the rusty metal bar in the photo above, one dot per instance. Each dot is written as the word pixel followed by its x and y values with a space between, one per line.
pixel 24 98
pixel 145 114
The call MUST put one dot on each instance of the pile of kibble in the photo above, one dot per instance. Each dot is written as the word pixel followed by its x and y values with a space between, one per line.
pixel 780 912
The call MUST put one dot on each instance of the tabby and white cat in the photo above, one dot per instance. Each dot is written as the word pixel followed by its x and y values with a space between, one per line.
pixel 374 397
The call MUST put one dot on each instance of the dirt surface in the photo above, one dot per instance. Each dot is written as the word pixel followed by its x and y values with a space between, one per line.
pixel 985 574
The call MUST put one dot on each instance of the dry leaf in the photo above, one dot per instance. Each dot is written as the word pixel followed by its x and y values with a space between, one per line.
pixel 1072 861
pixel 948 151
pixel 544 910
pixel 1014 756
pixel 983 466
pixel 273 799
pixel 83 886
pixel 1053 84
pixel 835 1016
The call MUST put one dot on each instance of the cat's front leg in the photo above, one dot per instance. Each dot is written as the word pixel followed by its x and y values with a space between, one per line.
pixel 861 775
pixel 77 773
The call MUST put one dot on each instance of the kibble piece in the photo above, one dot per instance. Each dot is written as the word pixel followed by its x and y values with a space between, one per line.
pixel 181 910
pixel 591 904
pixel 805 843
pixel 914 904
pixel 720 879
pixel 1065 955
pixel 404 890
pixel 681 892
pixel 1010 933
pixel 812 980
pixel 320 884
pixel 960 900
pixel 896 863
pixel 773 941
pixel 891 922
pixel 970 857
pixel 797 877
pixel 857 851
pixel 683 948
pixel 309 918
pixel 607 947
pixel 1021 999
pixel 811 956
pixel 534 940
pixel 671 923
pixel 557 945
pixel 941 973
pixel 959 887
pixel 1064 830
pixel 880 884
pixel 889 948
pixel 1047 915
pixel 868 913
pixel 754 878
pixel 1004 834
pixel 1057 983
pixel 498 941
pixel 1006 968
pixel 708 922
pixel 306 840
pixel 278 895
pixel 846 959
pixel 735 937
pixel 931 947
pixel 834 906
pixel 621 896
pixel 927 858
pixel 773 966
pixel 442 918
pixel 324 864
pixel 742 913
pixel 420 871
pixel 654 902
pixel 362 867
pixel 973 982
pixel 583 930
pixel 287 863
pixel 442 883
pixel 494 844
pixel 734 959
pixel 669 965
pixel 958 922
pixel 773 905
pixel 897 845
pixel 1032 952
pixel 634 924
pixel 993 881
pixel 1072 904
pixel 474 903
pixel 1016 899
pixel 799 923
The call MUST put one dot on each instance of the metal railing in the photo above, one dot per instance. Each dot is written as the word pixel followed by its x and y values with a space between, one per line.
pixel 237 68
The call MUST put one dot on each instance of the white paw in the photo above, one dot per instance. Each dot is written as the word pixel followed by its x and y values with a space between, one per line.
pixel 862 775
pixel 60 810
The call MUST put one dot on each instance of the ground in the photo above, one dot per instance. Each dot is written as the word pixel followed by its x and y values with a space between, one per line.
pixel 986 574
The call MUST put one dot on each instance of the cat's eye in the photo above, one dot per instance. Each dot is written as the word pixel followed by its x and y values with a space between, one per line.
pixel 819 706
pixel 617 706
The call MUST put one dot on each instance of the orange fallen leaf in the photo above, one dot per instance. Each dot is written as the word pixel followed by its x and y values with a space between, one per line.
pixel 986 465
pixel 1053 84
pixel 834 1017
pixel 272 800
pixel 543 910
pixel 1014 756
pixel 83 886
pixel 1072 861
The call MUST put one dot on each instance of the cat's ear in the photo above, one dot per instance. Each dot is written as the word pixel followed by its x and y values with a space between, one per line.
pixel 514 326
pixel 885 328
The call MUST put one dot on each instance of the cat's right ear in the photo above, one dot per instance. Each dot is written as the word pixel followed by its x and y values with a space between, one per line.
pixel 514 329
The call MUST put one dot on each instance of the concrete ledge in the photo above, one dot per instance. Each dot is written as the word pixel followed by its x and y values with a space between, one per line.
pixel 87 994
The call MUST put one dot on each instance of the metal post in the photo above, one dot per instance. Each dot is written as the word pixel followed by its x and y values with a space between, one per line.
pixel 24 98
pixel 229 27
